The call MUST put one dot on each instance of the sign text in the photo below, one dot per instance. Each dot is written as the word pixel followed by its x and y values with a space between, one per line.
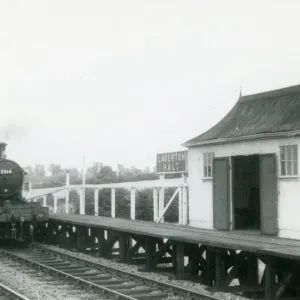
pixel 173 162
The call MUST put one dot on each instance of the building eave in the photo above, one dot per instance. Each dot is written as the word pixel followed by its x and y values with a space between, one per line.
pixel 261 136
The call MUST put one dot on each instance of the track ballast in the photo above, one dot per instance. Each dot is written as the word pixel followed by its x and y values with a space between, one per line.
pixel 110 281
pixel 6 293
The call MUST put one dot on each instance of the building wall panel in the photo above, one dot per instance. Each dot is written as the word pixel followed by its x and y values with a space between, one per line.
pixel 201 190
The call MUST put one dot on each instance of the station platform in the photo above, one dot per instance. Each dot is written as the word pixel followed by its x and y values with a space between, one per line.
pixel 236 240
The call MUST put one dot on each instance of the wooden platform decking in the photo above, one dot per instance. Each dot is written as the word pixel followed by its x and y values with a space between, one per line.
pixel 251 242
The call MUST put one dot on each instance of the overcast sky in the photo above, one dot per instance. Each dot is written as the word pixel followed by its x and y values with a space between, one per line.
pixel 119 81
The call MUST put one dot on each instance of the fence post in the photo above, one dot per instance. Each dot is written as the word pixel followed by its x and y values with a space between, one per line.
pixel 132 203
pixel 155 204
pixel 82 198
pixel 67 191
pixel 185 201
pixel 113 203
pixel 45 200
pixel 185 206
pixel 161 215
pixel 161 200
pixel 96 201
pixel 82 201
pixel 55 203
pixel 180 206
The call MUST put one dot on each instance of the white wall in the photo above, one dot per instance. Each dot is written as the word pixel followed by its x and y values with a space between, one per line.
pixel 201 191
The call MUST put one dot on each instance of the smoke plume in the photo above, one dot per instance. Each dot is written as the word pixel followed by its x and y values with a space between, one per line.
pixel 13 131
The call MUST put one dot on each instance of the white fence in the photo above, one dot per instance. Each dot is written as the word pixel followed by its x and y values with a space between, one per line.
pixel 158 187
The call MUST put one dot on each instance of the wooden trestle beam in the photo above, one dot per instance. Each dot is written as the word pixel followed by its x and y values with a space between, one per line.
pixel 220 269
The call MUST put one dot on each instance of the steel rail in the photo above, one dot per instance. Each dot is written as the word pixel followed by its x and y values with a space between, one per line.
pixel 68 276
pixel 180 290
pixel 149 283
pixel 11 294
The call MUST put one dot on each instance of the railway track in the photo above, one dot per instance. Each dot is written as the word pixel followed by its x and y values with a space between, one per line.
pixel 7 293
pixel 110 281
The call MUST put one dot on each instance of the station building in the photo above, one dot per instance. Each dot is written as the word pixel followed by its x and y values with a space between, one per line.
pixel 244 171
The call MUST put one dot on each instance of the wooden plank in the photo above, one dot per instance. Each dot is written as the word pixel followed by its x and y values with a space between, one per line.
pixel 80 238
pixel 270 284
pixel 233 273
pixel 268 194
pixel 174 182
pixel 123 247
pixel 268 245
pixel 220 269
pixel 221 203
pixel 179 260
pixel 150 247
pixel 162 250
pixel 166 183
pixel 252 270
pixel 162 213
pixel 284 283
pixel 211 266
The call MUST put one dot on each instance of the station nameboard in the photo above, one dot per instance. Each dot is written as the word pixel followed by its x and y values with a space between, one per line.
pixel 172 162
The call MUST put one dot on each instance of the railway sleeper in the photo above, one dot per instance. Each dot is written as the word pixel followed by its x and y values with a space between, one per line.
pixel 150 296
pixel 107 282
pixel 70 270
pixel 86 275
pixel 57 264
pixel 91 278
pixel 125 285
pixel 133 291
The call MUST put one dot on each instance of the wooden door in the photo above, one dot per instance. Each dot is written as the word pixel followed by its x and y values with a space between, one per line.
pixel 221 195
pixel 268 194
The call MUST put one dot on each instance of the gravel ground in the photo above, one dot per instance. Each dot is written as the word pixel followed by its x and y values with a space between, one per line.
pixel 160 277
pixel 38 285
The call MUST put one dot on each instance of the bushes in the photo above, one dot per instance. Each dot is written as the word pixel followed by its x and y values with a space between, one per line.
pixel 99 173
pixel 144 204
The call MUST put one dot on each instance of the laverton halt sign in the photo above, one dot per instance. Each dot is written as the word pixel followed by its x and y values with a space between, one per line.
pixel 172 162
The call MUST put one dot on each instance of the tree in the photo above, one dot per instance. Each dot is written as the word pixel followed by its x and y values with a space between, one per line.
pixel 147 170
pixel 29 170
pixel 39 171
pixel 121 170
pixel 55 169
pixel 107 175
pixel 94 170
pixel 135 171
pixel 74 173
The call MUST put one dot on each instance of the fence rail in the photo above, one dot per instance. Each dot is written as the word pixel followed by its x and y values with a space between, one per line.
pixel 158 186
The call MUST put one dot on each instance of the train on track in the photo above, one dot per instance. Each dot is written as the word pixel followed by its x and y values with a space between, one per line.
pixel 18 218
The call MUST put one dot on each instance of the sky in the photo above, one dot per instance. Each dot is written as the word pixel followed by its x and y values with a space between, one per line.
pixel 119 81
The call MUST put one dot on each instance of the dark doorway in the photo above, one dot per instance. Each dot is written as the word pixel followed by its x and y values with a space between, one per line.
pixel 246 192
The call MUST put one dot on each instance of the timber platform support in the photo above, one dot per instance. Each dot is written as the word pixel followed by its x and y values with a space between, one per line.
pixel 220 268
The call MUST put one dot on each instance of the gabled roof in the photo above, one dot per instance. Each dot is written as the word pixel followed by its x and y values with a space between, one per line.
pixel 262 115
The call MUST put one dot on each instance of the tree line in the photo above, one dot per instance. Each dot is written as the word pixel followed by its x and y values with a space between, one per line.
pixel 99 173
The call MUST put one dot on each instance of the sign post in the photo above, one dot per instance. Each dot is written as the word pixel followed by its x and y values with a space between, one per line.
pixel 173 163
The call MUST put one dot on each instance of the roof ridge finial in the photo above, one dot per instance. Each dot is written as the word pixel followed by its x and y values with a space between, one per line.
pixel 240 92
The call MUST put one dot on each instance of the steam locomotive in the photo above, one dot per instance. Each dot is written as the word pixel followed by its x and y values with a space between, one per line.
pixel 18 218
